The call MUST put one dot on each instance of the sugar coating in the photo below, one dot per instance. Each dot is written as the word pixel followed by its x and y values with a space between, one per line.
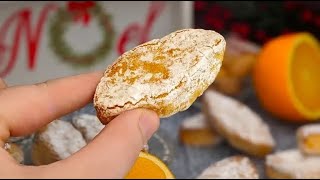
pixel 310 129
pixel 62 138
pixel 238 119
pixel 235 167
pixel 293 163
pixel 196 121
pixel 165 75
pixel 89 125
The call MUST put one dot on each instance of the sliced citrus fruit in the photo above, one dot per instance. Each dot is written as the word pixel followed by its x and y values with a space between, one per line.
pixel 148 166
pixel 287 77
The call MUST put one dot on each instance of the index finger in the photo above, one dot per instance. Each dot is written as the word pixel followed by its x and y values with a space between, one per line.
pixel 24 109
pixel 2 84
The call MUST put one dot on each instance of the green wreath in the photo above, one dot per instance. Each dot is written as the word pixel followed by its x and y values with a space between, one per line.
pixel 59 25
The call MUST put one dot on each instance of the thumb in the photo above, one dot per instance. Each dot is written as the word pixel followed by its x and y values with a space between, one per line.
pixel 113 152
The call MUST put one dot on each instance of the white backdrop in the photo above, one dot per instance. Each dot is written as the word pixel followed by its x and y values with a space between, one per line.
pixel 47 64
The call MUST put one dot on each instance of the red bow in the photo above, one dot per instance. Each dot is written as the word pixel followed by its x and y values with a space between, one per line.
pixel 80 10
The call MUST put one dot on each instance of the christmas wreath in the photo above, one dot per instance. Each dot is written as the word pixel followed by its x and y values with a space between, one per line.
pixel 80 11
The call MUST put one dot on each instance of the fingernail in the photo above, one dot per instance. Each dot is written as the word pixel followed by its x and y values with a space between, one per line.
pixel 148 123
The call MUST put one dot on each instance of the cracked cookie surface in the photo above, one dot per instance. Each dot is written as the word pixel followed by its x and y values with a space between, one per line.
pixel 165 75
pixel 292 164
pixel 234 167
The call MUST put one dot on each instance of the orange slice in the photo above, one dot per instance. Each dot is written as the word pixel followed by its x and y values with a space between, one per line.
pixel 287 77
pixel 148 166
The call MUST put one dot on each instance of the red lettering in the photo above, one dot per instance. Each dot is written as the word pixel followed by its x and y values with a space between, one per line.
pixel 22 20
pixel 139 32
pixel 81 10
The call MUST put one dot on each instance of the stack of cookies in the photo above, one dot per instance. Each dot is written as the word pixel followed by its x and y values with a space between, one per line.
pixel 60 139
pixel 300 163
pixel 227 119
pixel 239 58
pixel 234 122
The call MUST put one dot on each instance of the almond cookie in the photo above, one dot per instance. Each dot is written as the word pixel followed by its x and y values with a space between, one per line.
pixel 292 164
pixel 15 151
pixel 165 75
pixel 196 131
pixel 308 137
pixel 238 124
pixel 235 167
pixel 89 125
pixel 57 141
pixel 226 83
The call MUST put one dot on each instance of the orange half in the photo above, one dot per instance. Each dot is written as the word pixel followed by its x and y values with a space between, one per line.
pixel 148 166
pixel 287 77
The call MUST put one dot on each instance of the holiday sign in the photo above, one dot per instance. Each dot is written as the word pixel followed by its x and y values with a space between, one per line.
pixel 45 40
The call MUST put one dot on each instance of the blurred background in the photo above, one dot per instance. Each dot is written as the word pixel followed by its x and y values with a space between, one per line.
pixel 45 40
pixel 38 41
pixel 258 21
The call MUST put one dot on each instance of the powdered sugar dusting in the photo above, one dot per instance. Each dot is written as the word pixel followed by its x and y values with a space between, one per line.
pixel 89 125
pixel 236 167
pixel 62 138
pixel 196 121
pixel 238 118
pixel 307 130
pixel 293 163
pixel 166 75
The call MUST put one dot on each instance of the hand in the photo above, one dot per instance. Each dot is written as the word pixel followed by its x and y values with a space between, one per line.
pixel 24 109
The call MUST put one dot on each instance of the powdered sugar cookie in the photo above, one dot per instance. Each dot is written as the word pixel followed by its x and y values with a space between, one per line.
pixel 292 164
pixel 57 141
pixel 196 131
pixel 308 137
pixel 235 167
pixel 89 125
pixel 165 75
pixel 238 124
pixel 15 151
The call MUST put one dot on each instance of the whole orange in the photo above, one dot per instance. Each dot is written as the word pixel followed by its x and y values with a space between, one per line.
pixel 286 77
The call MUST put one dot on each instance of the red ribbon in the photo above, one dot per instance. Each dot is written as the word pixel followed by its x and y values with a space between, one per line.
pixel 80 10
